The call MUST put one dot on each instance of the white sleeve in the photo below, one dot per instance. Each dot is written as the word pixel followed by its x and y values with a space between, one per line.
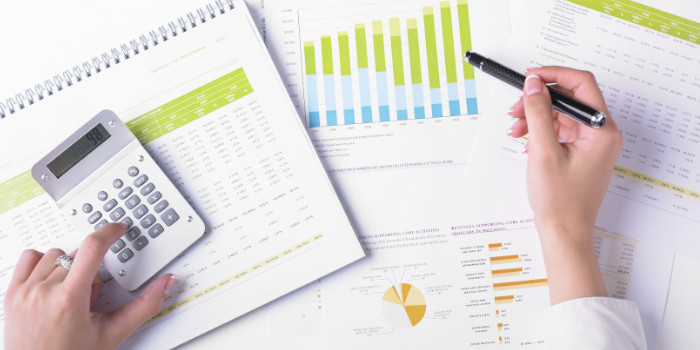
pixel 593 323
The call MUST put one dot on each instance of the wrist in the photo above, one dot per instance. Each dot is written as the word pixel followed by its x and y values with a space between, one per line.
pixel 569 233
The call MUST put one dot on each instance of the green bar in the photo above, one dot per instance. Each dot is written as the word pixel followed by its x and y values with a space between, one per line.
pixel 431 47
pixel 448 41
pixel 344 48
pixel 396 51
pixel 414 51
pixel 361 43
pixel 327 54
pixel 647 17
pixel 378 34
pixel 190 106
pixel 310 57
pixel 464 35
pixel 18 190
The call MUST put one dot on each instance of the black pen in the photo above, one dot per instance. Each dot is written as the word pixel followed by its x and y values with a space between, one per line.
pixel 560 102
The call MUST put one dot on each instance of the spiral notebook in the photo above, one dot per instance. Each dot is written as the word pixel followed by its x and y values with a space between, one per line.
pixel 203 96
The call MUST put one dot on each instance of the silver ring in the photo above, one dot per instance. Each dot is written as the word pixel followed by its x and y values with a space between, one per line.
pixel 64 260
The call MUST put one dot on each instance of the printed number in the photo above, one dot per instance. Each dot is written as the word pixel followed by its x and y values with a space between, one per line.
pixel 94 136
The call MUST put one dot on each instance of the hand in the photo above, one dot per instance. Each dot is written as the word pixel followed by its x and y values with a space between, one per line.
pixel 48 307
pixel 566 180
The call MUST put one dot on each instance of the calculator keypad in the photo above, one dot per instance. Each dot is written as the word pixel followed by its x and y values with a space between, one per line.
pixel 130 204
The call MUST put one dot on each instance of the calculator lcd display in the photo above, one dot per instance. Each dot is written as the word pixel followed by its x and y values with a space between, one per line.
pixel 78 150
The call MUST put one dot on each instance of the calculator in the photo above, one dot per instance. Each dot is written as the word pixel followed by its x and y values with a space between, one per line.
pixel 102 174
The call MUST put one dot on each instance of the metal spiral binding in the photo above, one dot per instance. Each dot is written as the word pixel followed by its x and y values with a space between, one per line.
pixel 113 57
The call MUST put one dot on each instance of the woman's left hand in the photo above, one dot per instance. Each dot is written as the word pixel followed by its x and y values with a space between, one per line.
pixel 49 307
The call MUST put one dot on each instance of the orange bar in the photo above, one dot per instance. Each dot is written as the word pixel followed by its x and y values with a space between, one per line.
pixel 506 271
pixel 495 246
pixel 504 299
pixel 505 257
pixel 520 284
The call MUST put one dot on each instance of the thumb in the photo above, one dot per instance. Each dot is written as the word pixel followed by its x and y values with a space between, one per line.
pixel 134 314
pixel 538 113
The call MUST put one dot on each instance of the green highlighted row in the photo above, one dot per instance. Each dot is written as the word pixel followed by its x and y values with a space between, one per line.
pixel 18 190
pixel 148 127
pixel 646 16
pixel 190 106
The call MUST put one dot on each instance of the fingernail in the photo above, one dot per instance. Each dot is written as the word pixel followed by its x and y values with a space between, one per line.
pixel 510 131
pixel 171 283
pixel 533 85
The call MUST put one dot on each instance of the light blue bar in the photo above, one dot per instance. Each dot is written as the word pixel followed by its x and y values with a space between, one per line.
pixel 365 100
pixel 383 97
pixel 367 114
pixel 453 97
pixel 401 112
pixel 331 115
pixel 332 118
pixel 312 92
pixel 436 101
pixel 349 111
pixel 314 119
pixel 418 107
pixel 470 89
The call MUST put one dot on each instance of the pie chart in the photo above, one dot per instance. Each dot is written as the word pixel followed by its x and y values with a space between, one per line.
pixel 403 305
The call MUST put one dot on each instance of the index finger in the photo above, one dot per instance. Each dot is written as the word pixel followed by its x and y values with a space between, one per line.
pixel 91 253
pixel 581 83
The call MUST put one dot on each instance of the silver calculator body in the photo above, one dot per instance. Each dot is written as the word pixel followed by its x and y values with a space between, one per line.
pixel 102 174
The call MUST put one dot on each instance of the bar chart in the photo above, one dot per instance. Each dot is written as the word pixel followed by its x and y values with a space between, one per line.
pixel 382 62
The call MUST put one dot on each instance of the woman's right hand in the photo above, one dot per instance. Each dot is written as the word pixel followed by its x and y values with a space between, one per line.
pixel 569 169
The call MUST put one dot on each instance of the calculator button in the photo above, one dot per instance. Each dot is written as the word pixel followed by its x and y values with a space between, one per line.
pixel 140 180
pixel 140 211
pixel 100 224
pixel 154 198
pixel 161 206
pixel 102 195
pixel 140 243
pixel 148 221
pixel 110 205
pixel 125 192
pixel 132 202
pixel 132 233
pixel 148 189
pixel 155 231
pixel 94 217
pixel 125 255
pixel 128 222
pixel 170 217
pixel 87 207
pixel 117 214
pixel 117 183
pixel 133 171
pixel 117 246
